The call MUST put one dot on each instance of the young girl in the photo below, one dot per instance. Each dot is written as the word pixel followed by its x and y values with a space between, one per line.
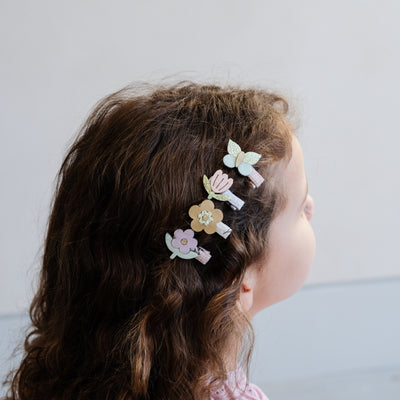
pixel 180 212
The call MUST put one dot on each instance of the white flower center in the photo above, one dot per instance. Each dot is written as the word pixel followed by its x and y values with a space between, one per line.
pixel 205 217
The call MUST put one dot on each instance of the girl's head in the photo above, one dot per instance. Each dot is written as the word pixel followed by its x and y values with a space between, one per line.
pixel 291 248
pixel 114 314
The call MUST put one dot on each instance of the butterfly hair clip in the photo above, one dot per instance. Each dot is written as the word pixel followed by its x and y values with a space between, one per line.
pixel 243 162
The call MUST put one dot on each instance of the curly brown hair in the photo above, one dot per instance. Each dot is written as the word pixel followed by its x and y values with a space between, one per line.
pixel 114 317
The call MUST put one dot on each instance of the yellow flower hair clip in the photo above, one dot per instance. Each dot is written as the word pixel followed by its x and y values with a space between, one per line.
pixel 206 217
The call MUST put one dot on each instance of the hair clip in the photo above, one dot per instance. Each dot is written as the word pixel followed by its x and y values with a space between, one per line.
pixel 206 217
pixel 243 162
pixel 184 245
pixel 218 188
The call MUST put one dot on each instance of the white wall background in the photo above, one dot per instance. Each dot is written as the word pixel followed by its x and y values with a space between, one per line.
pixel 336 61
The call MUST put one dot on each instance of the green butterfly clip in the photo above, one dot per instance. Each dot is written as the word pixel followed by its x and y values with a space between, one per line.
pixel 238 158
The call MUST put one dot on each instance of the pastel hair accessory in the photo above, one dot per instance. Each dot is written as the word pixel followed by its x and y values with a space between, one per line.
pixel 243 162
pixel 218 186
pixel 206 217
pixel 184 245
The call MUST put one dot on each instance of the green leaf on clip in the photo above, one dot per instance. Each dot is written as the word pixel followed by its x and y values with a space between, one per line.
pixel 207 184
pixel 222 197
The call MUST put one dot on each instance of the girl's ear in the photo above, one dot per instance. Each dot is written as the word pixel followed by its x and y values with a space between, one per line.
pixel 246 297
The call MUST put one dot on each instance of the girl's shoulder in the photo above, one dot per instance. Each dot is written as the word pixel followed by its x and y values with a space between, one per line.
pixel 237 387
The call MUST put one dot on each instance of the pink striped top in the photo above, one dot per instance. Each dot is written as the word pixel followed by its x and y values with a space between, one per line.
pixel 237 387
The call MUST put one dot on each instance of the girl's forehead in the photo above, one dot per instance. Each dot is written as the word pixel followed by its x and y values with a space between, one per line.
pixel 293 175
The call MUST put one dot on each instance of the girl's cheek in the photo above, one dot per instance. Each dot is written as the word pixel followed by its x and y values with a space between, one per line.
pixel 312 244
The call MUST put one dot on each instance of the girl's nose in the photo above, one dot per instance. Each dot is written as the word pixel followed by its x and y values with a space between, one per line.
pixel 310 207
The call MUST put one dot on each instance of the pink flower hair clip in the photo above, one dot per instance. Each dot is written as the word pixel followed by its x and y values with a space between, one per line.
pixel 218 186
pixel 184 245
pixel 243 162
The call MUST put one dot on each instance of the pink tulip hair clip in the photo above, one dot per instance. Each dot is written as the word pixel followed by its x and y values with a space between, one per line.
pixel 218 186
pixel 243 162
